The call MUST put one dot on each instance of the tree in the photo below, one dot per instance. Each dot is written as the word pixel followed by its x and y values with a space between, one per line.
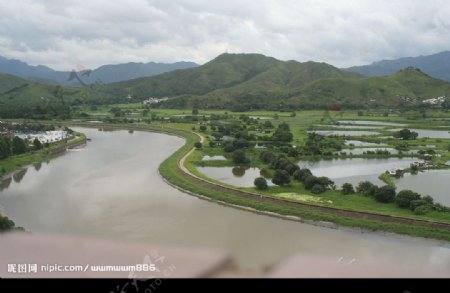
pixel 283 133
pixel 417 203
pixel 260 183
pixel 422 210
pixel 366 188
pixel 300 175
pixel 385 193
pixel 268 124
pixel 202 128
pixel 6 223
pixel 428 199
pixel 310 181
pixel 195 111
pixel 116 111
pixel 347 188
pixel 37 144
pixel 317 189
pixel 241 143
pixel 406 134
pixel 404 198
pixel 267 157
pixel 239 157
pixel 281 177
pixel 18 146
pixel 5 147
pixel 228 147
pixel 198 145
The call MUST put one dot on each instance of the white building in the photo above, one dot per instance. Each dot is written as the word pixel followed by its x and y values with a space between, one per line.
pixel 45 137
pixel 434 101
pixel 153 100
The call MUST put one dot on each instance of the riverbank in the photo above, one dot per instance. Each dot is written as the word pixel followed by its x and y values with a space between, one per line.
pixel 172 169
pixel 14 163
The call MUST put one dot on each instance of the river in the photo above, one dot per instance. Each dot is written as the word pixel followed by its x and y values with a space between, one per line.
pixel 111 189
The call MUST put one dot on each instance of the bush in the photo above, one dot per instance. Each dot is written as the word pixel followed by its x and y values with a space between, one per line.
pixel 267 157
pixel 241 143
pixel 385 193
pixel 6 223
pixel 366 188
pixel 260 183
pixel 428 199
pixel 302 174
pixel 317 189
pixel 404 198
pixel 198 145
pixel 417 203
pixel 422 210
pixel 239 157
pixel 228 147
pixel 347 188
pixel 281 177
pixel 37 144
pixel 312 180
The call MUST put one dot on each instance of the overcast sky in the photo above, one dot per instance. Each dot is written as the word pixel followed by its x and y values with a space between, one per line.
pixel 63 34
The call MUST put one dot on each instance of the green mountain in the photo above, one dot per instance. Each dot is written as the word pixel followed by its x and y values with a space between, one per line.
pixel 24 98
pixel 253 81
pixel 224 71
pixel 407 87
pixel 231 81
pixel 103 74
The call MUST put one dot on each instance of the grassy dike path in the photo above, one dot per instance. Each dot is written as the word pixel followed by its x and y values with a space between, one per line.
pixel 176 174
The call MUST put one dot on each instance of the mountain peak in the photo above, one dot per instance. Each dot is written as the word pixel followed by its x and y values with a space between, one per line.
pixel 435 65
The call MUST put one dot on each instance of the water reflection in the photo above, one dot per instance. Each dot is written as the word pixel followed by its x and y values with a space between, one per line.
pixel 265 173
pixel 37 166
pixel 213 158
pixel 432 182
pixel 344 132
pixel 239 171
pixel 5 183
pixel 238 176
pixel 368 122
pixel 355 170
pixel 18 176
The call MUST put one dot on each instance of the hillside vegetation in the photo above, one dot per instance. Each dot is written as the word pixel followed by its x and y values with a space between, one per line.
pixel 238 82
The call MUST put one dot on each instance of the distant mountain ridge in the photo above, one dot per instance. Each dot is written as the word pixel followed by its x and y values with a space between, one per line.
pixel 436 65
pixel 255 81
pixel 238 82
pixel 102 74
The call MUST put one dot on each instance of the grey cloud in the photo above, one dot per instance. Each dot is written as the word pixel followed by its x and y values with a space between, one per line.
pixel 61 34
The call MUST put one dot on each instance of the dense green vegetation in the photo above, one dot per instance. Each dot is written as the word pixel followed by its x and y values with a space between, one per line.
pixel 237 82
pixel 6 224
pixel 170 171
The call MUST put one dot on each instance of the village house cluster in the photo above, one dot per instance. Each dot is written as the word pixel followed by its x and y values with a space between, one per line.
pixel 435 101
pixel 153 100
pixel 45 137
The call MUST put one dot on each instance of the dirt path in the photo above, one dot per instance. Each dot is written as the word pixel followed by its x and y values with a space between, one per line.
pixel 304 206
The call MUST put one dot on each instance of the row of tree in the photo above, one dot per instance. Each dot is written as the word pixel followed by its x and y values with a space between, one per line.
pixel 404 199
pixel 15 146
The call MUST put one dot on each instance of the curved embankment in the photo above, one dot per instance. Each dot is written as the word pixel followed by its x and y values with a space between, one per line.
pixel 182 178
pixel 175 173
